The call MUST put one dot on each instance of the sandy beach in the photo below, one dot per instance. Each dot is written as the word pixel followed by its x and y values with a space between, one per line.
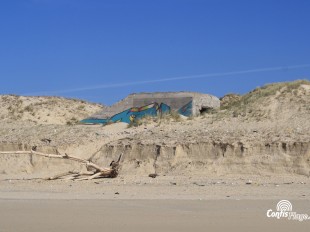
pixel 168 203
pixel 145 215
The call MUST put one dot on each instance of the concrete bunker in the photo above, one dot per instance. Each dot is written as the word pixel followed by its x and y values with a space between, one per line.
pixel 140 104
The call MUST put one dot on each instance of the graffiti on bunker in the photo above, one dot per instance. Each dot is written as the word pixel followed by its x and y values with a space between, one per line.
pixel 134 113
pixel 186 110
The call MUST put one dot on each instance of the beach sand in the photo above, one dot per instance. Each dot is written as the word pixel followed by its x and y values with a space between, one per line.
pixel 167 203
pixel 145 215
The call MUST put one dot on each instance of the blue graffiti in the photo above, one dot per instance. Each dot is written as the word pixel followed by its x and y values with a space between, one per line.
pixel 135 113
pixel 187 109
pixel 94 121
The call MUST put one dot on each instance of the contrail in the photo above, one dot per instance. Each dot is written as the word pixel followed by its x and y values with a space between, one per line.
pixel 220 74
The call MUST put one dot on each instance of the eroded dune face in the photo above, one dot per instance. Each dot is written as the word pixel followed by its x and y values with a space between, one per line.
pixel 266 131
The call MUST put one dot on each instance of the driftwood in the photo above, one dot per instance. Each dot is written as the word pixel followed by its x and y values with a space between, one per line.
pixel 61 175
pixel 94 172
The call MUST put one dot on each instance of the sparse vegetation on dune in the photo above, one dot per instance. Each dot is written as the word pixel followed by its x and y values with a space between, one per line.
pixel 173 116
pixel 72 121
pixel 45 110
pixel 258 103
pixel 262 92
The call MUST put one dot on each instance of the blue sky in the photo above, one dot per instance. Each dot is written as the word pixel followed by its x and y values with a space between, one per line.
pixel 102 50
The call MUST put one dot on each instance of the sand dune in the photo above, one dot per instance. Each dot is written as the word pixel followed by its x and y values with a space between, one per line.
pixel 263 133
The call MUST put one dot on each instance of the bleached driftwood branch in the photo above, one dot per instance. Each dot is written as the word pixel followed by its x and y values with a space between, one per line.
pixel 98 172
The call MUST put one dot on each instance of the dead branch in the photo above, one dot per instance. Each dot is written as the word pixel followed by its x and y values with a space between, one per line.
pixel 61 175
pixel 99 172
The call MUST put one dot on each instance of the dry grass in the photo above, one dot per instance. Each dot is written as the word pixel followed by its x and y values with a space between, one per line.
pixel 136 123
pixel 72 121
pixel 173 116
pixel 45 110
pixel 29 108
pixel 253 104
pixel 258 95
pixel 265 91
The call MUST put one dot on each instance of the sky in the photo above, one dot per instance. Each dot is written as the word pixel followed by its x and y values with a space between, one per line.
pixel 103 50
